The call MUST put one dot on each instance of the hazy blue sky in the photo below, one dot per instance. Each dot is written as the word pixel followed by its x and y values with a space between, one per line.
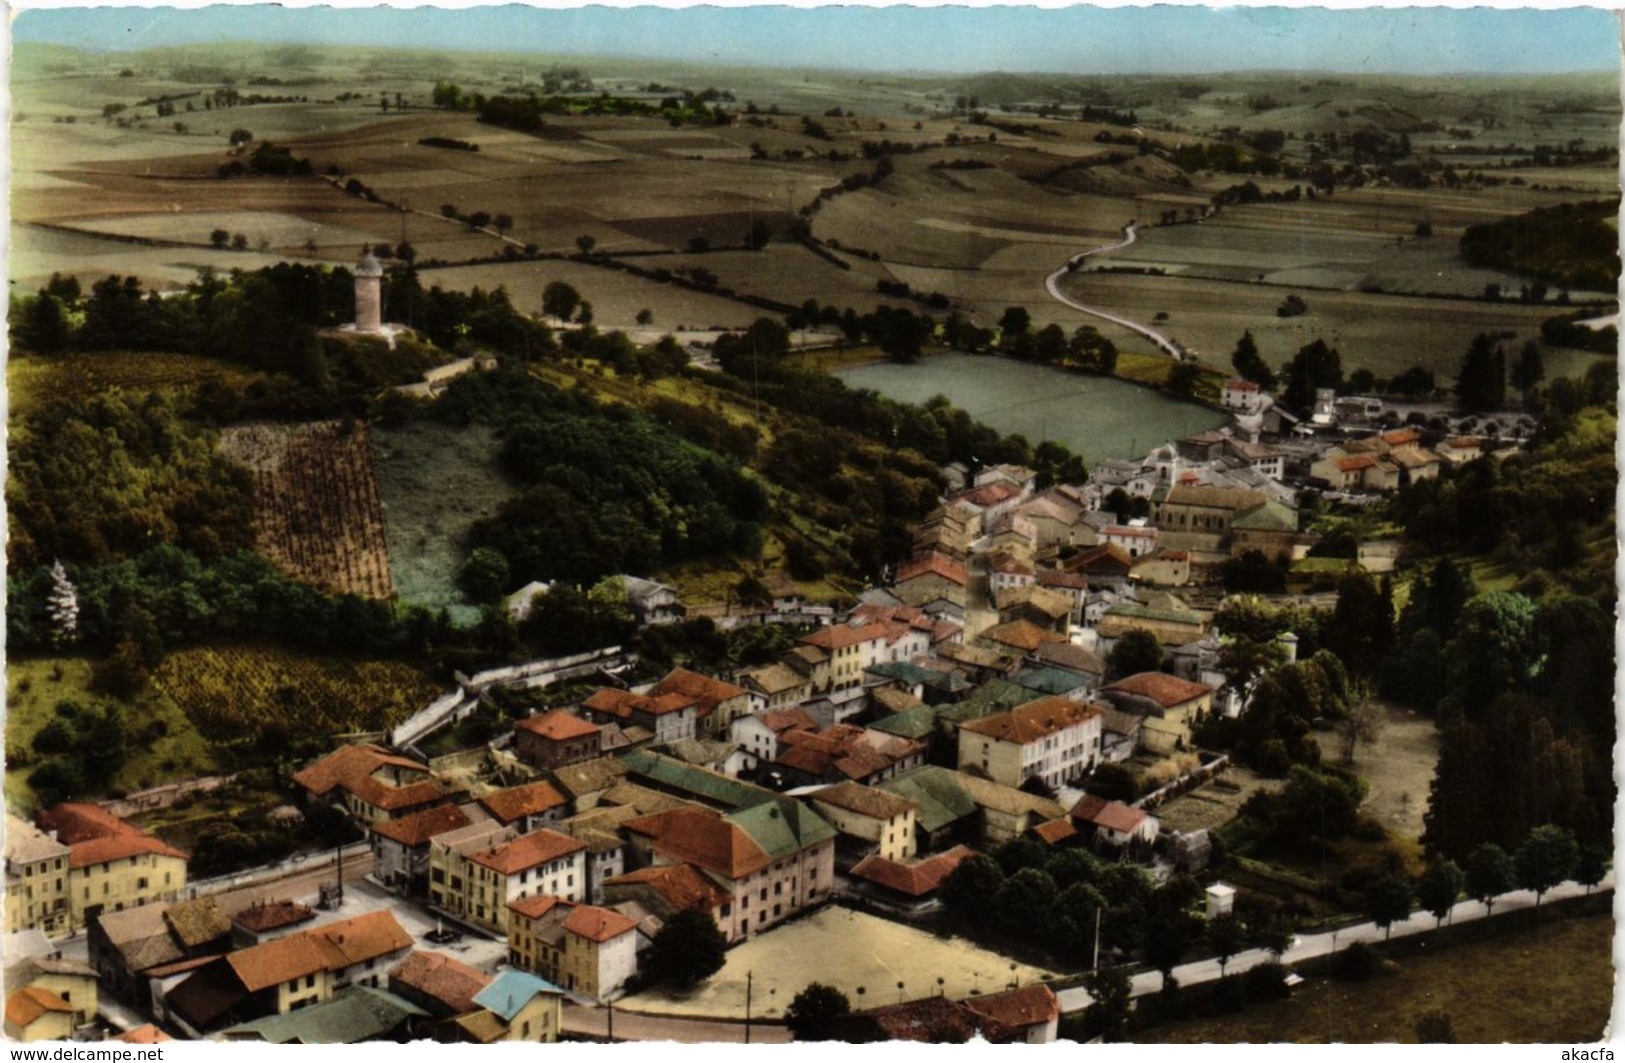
pixel 1073 40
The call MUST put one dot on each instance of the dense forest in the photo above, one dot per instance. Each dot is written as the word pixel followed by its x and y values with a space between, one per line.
pixel 1571 245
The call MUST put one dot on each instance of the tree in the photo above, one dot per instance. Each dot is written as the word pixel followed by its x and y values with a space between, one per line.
pixel 757 236
pixel 1361 629
pixel 1388 900
pixel 448 210
pixel 1315 366
pixel 1137 651
pixel 1183 378
pixel 968 890
pixel 584 313
pixel 1439 887
pixel 1529 369
pixel 1226 936
pixel 1362 722
pixel 1249 365
pixel 1547 856
pixel 63 606
pixel 502 222
pixel 1593 864
pixel 645 316
pixel 585 244
pixel 1111 994
pixel 239 136
pixel 1015 321
pixel 1490 873
pixel 219 238
pixel 1481 379
pixel 816 1012
pixel 484 576
pixel 560 300
pixel 687 950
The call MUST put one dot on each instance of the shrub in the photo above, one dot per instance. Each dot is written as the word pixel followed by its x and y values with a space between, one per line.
pixel 1267 981
pixel 1358 963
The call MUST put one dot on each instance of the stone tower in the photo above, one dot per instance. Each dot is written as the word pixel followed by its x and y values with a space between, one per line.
pixel 369 280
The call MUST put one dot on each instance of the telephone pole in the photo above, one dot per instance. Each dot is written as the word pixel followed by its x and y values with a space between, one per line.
pixel 749 976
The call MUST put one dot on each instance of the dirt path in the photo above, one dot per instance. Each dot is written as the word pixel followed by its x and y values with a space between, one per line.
pixel 1053 283
pixel 629 1026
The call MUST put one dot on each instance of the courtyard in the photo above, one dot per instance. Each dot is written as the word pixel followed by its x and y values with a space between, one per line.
pixel 865 957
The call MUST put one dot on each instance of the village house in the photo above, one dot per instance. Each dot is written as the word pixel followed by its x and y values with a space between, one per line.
pixel 516 1006
pixel 1169 706
pixel 351 1016
pixel 1027 1015
pixel 1133 540
pixel 1086 664
pixel 852 647
pixel 581 948
pixel 555 739
pixel 1114 825
pixel 931 576
pixel 1052 739
pixel 1459 450
pixel 1057 520
pixel 1018 638
pixel 926 680
pixel 1164 568
pixel 400 847
pixel 716 702
pixel 651 602
pixel 1074 585
pixel 1198 518
pixel 372 784
pixel 45 991
pixel 774 686
pixel 758 735
pixel 585 783
pixel 288 974
pixel 772 859
pixel 543 862
pixel 1046 608
pixel 125 948
pixel 879 822
pixel 907 885
pixel 690 782
pixel 1271 528
pixel 1173 627
pixel 1242 395
pixel 668 889
pixel 266 920
pixel 1014 531
pixel 1102 564
pixel 669 716
pixel 1356 472
pixel 112 864
pixel 527 807
pixel 37 880
pixel 991 500
pixel 35 1014
pixel 844 752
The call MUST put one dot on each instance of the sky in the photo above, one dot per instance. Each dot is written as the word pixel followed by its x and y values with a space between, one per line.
pixel 1078 40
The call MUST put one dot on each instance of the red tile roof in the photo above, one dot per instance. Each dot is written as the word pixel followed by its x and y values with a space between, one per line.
pixel 1056 831
pixel 680 885
pixel 1022 634
pixel 1034 721
pixel 1071 581
pixel 780 720
pixel 560 725
pixel 1400 437
pixel 95 836
pixel 933 564
pixel 703 838
pixel 1031 1005
pixel 417 828
pixel 144 1035
pixel 914 880
pixel 598 924
pixel 865 800
pixel 623 703
pixel 352 768
pixel 526 851
pixel 989 495
pixel 1113 815
pixel 1164 689
pixel 517 802
pixel 1240 385
pixel 274 915
pixel 840 636
pixel 706 692
pixel 26 1005
pixel 442 978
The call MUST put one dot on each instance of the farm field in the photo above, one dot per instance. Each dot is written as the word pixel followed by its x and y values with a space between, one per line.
pixel 231 692
pixel 317 512
pixel 434 482
pixel 1550 984
pixel 29 379
pixel 162 743
pixel 1384 333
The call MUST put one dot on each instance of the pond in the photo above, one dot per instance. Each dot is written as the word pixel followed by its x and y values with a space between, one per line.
pixel 1095 417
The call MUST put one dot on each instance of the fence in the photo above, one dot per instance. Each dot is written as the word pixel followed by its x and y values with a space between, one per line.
pixel 1184 784
pixel 164 796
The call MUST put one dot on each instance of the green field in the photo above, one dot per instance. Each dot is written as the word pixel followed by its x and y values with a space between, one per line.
pixel 34 688
pixel 1552 984
pixel 435 482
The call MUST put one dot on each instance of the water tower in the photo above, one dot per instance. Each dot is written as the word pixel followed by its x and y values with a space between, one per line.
pixel 369 302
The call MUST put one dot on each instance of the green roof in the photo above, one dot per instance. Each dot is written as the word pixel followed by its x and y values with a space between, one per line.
pixel 996 695
pixel 917 722
pixel 782 826
pixel 938 793
pixel 1268 516
pixel 1049 681
pixel 357 1014
pixel 909 672
pixel 672 774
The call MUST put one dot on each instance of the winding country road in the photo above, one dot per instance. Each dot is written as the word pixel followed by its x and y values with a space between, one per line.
pixel 1053 283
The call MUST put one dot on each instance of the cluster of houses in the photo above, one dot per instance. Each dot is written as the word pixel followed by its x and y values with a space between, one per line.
pixel 963 704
